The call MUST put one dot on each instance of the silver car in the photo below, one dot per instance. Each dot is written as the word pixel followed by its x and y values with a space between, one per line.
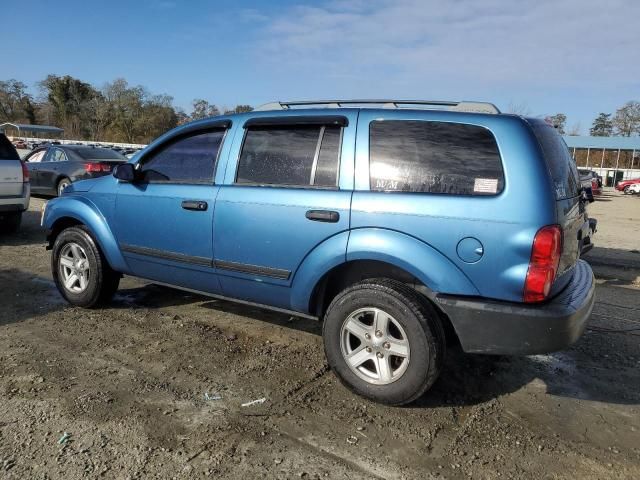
pixel 15 190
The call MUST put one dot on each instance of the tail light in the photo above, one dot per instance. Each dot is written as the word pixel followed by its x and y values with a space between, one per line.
pixel 543 266
pixel 25 172
pixel 594 184
pixel 97 167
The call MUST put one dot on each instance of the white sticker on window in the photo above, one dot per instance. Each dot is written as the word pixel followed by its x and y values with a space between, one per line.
pixel 485 185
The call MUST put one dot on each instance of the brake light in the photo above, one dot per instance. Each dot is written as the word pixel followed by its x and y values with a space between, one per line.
pixel 543 266
pixel 594 184
pixel 25 172
pixel 96 167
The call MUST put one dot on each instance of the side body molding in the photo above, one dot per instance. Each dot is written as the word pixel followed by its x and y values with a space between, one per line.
pixel 86 212
pixel 423 261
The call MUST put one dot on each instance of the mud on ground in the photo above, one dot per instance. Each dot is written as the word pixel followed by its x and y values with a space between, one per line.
pixel 153 387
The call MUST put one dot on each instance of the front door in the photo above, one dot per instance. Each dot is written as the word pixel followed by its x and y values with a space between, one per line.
pixel 164 220
pixel 282 198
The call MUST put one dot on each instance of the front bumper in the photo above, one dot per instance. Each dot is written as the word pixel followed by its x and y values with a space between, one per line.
pixel 494 327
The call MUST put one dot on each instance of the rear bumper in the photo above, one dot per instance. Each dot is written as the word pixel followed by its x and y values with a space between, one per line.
pixel 494 327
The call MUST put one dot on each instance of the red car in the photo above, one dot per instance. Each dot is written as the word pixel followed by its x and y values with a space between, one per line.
pixel 623 186
pixel 20 144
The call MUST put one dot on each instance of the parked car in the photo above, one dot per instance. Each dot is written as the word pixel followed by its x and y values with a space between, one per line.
pixel 55 167
pixel 14 186
pixel 624 185
pixel 634 188
pixel 392 225
pixel 590 179
pixel 20 144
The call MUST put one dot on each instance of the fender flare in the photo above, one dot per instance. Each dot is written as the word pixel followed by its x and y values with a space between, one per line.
pixel 85 212
pixel 427 264
pixel 432 268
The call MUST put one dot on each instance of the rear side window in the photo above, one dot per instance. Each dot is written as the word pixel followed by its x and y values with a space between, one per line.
pixel 7 151
pixel 564 173
pixel 189 159
pixel 306 155
pixel 434 157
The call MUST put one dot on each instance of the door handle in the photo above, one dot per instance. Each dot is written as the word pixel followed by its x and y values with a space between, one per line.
pixel 198 205
pixel 323 216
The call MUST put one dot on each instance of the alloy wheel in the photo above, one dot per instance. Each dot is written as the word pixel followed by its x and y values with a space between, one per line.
pixel 74 268
pixel 374 346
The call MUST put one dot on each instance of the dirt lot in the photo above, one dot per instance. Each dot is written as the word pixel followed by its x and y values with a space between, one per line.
pixel 130 391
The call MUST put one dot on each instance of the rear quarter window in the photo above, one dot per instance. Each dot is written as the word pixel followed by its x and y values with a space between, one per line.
pixel 563 170
pixel 7 151
pixel 434 157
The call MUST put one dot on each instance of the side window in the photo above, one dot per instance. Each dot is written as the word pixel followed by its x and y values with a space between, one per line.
pixel 58 156
pixel 301 155
pixel 190 159
pixel 434 157
pixel 36 157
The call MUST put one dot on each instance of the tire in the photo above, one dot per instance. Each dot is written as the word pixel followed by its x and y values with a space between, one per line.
pixel 412 321
pixel 11 222
pixel 62 184
pixel 73 251
pixel 625 190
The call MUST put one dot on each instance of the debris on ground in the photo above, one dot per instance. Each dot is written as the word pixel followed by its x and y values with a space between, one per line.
pixel 254 402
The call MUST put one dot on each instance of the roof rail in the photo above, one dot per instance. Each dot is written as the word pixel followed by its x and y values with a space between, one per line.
pixel 476 107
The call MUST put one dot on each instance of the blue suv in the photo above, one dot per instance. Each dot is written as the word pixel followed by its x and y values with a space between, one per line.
pixel 403 226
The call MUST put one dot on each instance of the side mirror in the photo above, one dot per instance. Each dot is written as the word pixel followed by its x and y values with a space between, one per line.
pixel 125 172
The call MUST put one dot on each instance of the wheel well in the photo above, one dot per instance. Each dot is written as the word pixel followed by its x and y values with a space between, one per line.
pixel 349 273
pixel 58 226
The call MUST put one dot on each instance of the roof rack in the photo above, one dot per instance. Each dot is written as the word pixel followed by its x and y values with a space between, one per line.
pixel 475 107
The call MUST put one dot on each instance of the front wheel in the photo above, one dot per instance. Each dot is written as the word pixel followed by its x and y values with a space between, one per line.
pixel 384 341
pixel 625 190
pixel 80 271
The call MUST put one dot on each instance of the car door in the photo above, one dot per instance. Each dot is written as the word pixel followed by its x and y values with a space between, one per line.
pixel 48 170
pixel 164 220
pixel 33 162
pixel 287 189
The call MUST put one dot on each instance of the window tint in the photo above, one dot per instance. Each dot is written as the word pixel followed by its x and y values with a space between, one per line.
pixel 7 151
pixel 187 160
pixel 58 156
pixel 327 165
pixel 37 157
pixel 291 155
pixel 564 172
pixel 434 157
pixel 94 153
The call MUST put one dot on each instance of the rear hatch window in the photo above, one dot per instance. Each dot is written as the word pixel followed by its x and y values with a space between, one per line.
pixel 7 151
pixel 564 173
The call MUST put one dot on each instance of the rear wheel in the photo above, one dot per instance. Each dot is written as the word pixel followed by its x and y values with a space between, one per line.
pixel 10 223
pixel 384 341
pixel 62 184
pixel 80 271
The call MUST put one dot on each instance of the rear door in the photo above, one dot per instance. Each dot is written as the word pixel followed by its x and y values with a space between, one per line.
pixel 288 188
pixel 164 221
pixel 10 170
pixel 49 168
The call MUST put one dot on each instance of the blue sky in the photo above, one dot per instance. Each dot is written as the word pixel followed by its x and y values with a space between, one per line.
pixel 574 56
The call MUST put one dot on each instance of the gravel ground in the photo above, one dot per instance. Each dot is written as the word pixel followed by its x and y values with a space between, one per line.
pixel 154 387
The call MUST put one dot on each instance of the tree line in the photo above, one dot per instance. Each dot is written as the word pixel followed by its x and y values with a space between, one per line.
pixel 625 122
pixel 115 112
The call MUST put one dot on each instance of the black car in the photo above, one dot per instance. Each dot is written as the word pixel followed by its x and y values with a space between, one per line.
pixel 54 167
